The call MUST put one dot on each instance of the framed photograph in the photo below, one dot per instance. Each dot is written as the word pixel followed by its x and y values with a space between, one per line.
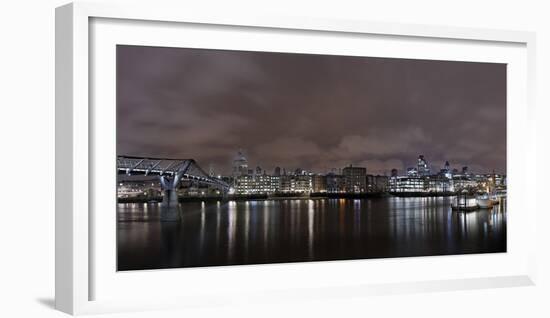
pixel 213 159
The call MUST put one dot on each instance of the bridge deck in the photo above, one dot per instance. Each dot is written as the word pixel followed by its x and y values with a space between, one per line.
pixel 186 168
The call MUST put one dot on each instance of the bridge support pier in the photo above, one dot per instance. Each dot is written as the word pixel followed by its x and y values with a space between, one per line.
pixel 169 208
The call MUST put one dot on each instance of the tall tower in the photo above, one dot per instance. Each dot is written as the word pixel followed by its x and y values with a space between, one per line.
pixel 422 166
pixel 447 170
pixel 240 165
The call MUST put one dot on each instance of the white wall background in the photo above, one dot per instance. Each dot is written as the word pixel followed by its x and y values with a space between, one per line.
pixel 27 155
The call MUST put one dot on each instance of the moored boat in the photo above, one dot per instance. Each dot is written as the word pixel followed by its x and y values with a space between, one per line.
pixel 464 203
pixel 484 201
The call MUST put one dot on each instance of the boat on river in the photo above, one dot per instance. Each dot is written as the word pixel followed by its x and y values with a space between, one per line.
pixel 464 202
pixel 485 201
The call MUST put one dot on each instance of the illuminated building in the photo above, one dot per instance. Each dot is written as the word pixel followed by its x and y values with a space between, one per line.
pixel 462 181
pixel 134 190
pixel 137 187
pixel 422 166
pixel 296 183
pixel 409 184
pixel 288 184
pixel 253 184
pixel 417 181
pixel 412 172
pixel 439 184
pixel 446 171
pixel 276 183
pixel 303 183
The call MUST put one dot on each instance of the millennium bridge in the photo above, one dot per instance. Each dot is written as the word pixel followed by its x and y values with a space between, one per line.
pixel 170 172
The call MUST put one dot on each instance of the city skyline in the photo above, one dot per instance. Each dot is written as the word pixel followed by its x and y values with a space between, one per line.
pixel 314 112
pixel 433 169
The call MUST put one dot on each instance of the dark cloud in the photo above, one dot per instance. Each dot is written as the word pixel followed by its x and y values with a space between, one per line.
pixel 310 111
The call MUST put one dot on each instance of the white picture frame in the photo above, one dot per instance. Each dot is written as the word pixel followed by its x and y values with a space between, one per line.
pixel 76 269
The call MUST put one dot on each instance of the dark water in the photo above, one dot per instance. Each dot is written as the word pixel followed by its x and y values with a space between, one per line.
pixel 273 231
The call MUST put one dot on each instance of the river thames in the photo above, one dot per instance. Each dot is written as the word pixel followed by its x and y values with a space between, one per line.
pixel 298 230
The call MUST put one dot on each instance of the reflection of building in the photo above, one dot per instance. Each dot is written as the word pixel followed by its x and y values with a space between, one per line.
pixel 355 179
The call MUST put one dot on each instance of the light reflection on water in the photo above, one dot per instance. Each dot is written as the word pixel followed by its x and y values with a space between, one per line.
pixel 270 231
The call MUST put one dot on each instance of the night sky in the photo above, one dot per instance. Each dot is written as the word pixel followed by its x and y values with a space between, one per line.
pixel 314 112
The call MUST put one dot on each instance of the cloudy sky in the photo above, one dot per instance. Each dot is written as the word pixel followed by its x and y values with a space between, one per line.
pixel 314 112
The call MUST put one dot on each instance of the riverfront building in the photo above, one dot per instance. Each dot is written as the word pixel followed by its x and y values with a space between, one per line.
pixel 377 184
pixel 133 189
pixel 138 187
pixel 355 179
pixel 407 184
pixel 253 184
pixel 319 183
pixel 276 183
pixel 417 180
pixel 301 183
pixel 336 183
pixel 352 180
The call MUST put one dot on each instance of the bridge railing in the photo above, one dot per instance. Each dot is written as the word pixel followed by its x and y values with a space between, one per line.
pixel 188 169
